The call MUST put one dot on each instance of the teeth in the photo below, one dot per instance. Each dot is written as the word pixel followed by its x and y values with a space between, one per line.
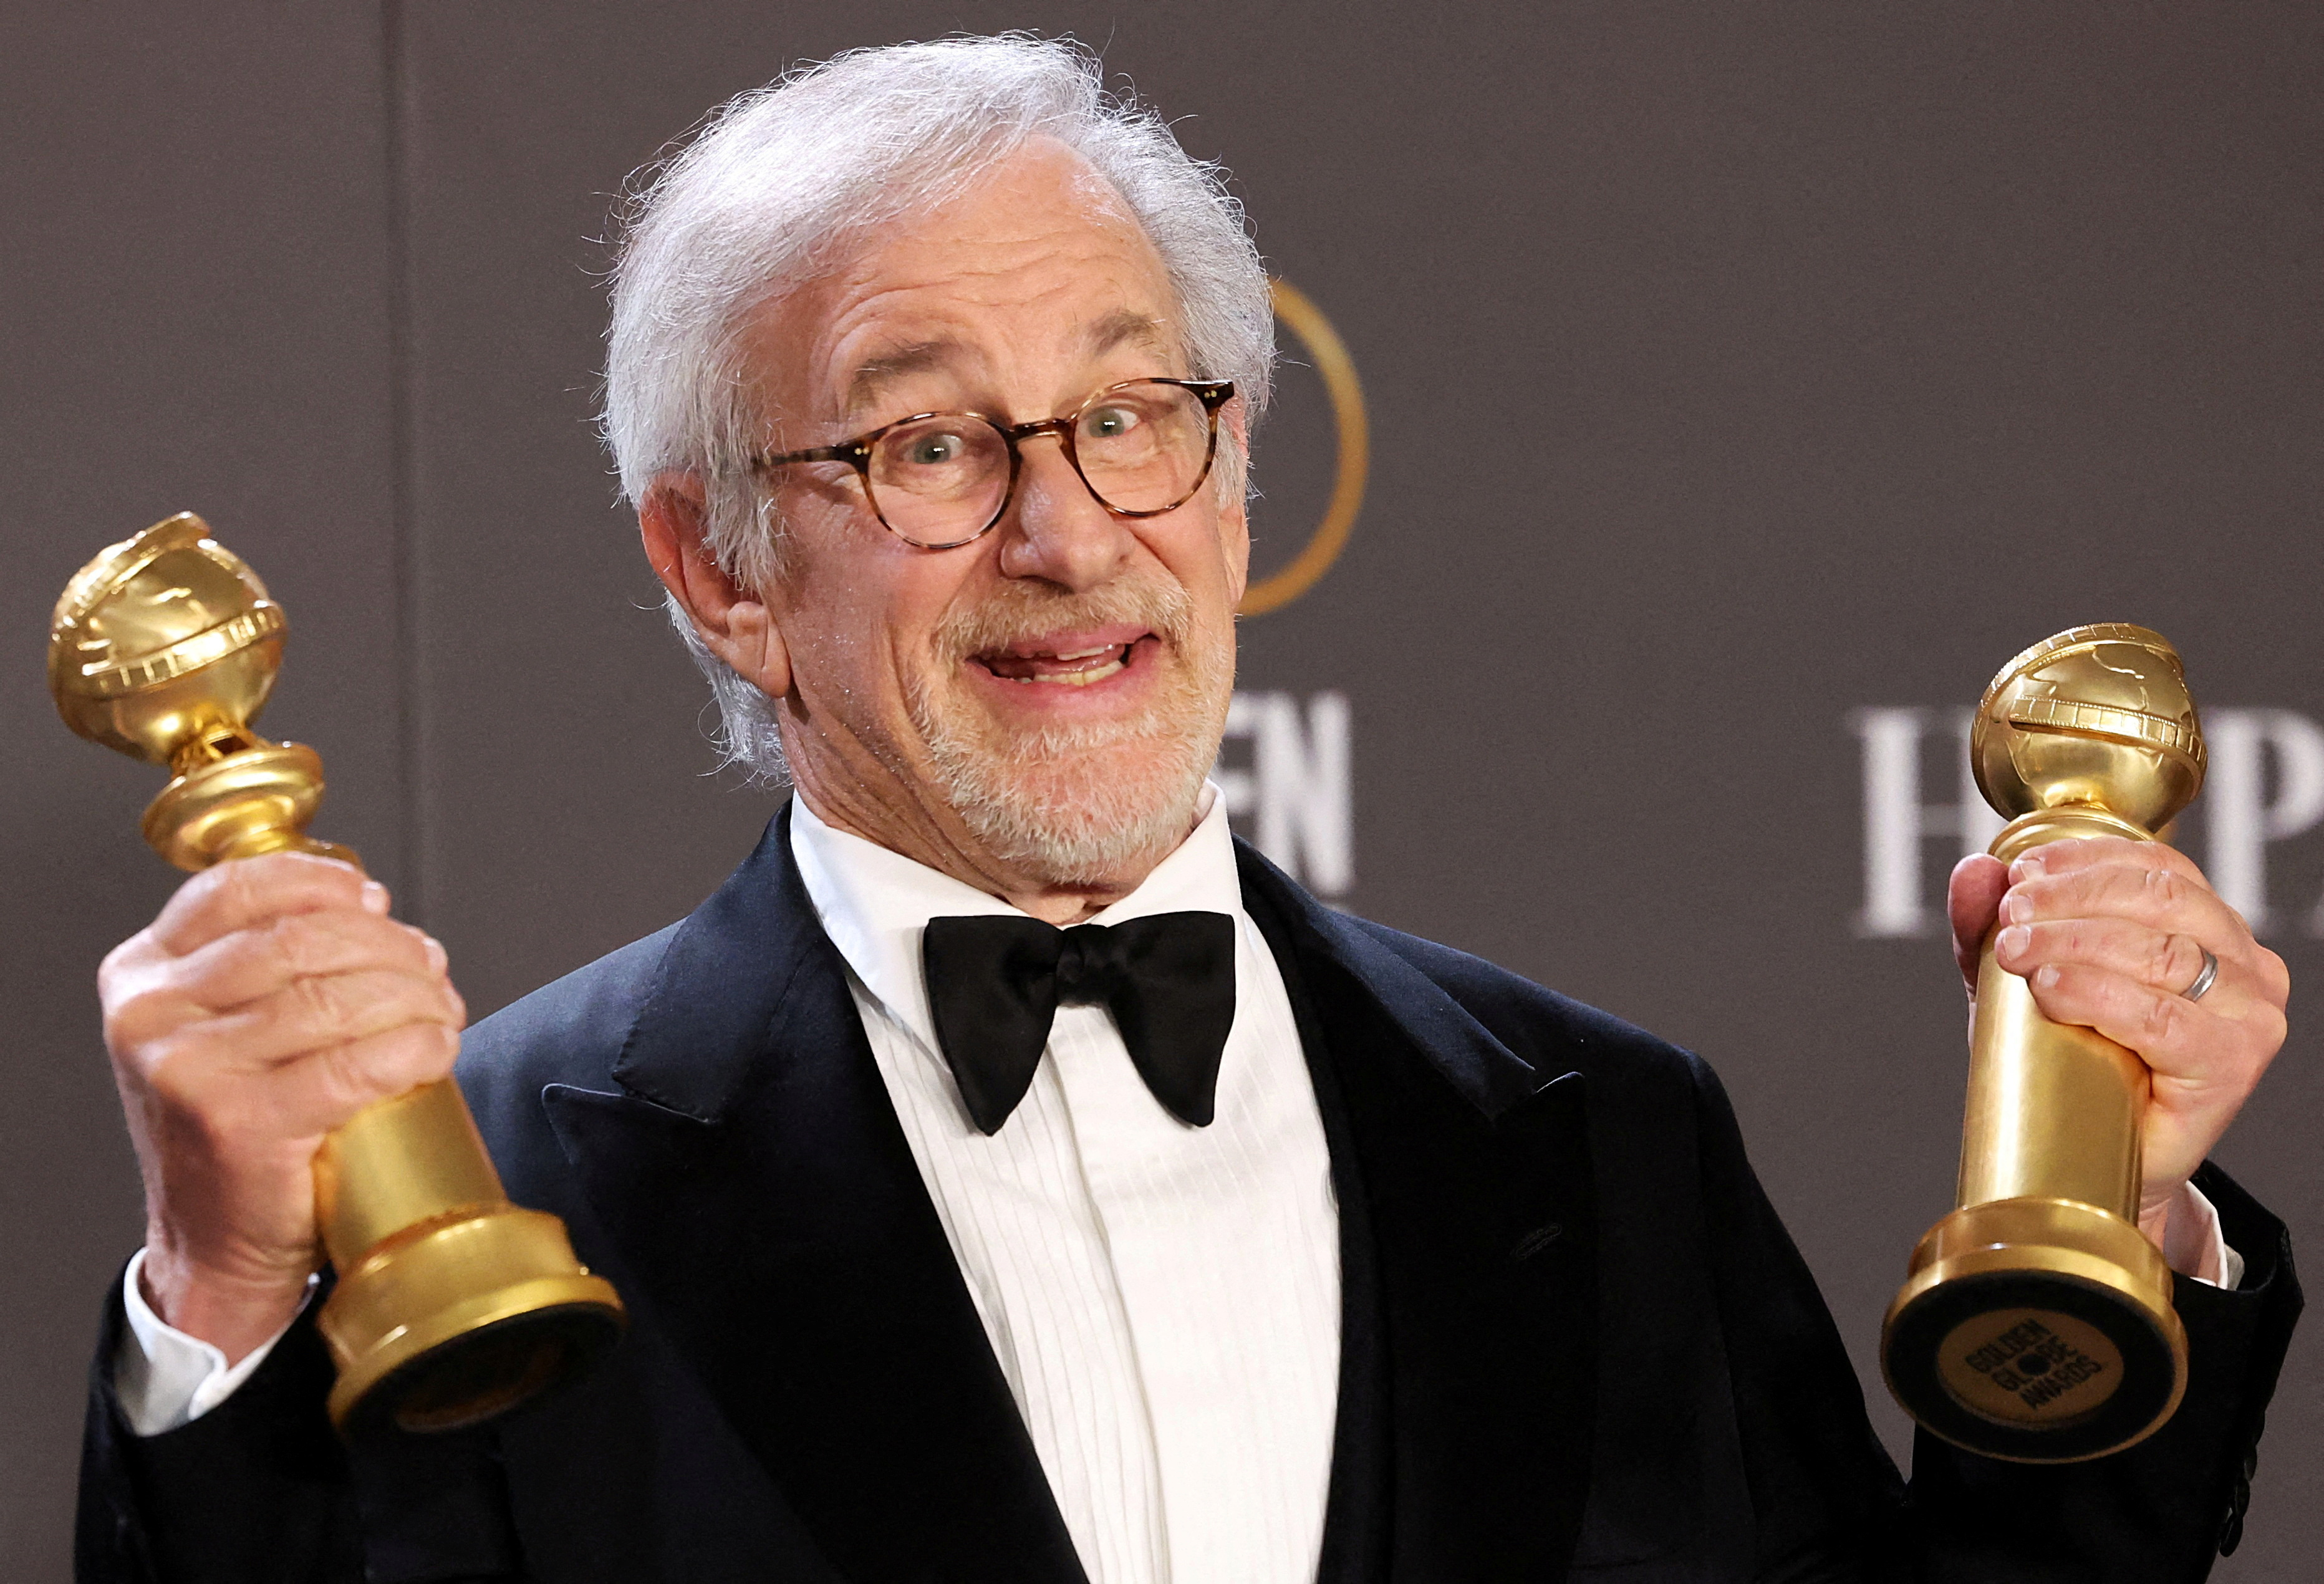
pixel 1117 658
pixel 1075 678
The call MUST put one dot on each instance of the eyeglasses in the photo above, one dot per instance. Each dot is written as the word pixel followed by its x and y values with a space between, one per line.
pixel 938 480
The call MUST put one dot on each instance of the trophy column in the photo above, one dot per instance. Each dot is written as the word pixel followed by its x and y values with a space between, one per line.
pixel 2036 1324
pixel 452 1305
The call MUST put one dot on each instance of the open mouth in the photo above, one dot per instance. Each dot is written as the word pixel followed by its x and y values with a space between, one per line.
pixel 1064 660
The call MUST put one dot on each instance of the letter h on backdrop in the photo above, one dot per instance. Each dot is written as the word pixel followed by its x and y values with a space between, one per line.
pixel 2265 786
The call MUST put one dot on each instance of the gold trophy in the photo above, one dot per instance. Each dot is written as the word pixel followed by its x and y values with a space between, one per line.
pixel 452 1304
pixel 2037 1325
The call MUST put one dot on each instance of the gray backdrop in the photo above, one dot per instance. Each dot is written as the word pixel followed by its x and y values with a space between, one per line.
pixel 1733 370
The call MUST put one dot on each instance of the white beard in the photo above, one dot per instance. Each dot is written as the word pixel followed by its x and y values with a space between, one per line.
pixel 1074 805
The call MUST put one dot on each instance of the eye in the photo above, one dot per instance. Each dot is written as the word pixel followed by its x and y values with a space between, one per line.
pixel 1110 422
pixel 934 450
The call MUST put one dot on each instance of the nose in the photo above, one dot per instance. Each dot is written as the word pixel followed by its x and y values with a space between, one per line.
pixel 1054 530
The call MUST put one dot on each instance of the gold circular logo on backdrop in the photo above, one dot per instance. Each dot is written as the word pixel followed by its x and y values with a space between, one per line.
pixel 1306 322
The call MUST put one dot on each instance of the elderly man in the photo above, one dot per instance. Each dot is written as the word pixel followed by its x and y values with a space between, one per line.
pixel 1011 1177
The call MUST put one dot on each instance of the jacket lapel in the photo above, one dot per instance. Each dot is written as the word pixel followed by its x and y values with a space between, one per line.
pixel 1476 1183
pixel 754 1178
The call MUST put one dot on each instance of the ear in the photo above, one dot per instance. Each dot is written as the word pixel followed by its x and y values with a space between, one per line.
pixel 1234 516
pixel 732 621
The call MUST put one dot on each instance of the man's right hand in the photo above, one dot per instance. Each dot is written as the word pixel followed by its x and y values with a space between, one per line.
pixel 272 1001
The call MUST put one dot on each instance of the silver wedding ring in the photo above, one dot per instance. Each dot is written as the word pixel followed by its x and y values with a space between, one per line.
pixel 2194 992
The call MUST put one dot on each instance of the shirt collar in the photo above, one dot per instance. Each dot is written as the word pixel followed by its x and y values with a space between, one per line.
pixel 875 904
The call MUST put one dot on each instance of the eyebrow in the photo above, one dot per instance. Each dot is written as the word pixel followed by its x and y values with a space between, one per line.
pixel 872 377
pixel 1124 327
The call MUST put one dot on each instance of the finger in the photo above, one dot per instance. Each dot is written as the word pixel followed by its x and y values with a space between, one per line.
pixel 2164 960
pixel 313 959
pixel 1973 900
pixel 2159 895
pixel 2094 851
pixel 315 1014
pixel 2177 1037
pixel 250 891
pixel 2161 873
pixel 252 963
pixel 323 1089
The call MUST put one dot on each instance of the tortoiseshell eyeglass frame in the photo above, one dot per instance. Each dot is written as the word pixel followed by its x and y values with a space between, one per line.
pixel 856 453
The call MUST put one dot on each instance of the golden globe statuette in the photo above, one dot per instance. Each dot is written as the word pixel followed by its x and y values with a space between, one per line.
pixel 2037 1325
pixel 452 1304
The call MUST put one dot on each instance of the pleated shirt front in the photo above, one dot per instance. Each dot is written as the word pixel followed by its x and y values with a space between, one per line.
pixel 1164 1300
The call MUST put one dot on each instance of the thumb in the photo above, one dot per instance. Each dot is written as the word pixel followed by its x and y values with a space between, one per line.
pixel 1973 900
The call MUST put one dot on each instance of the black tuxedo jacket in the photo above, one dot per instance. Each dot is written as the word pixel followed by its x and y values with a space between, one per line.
pixel 1577 1341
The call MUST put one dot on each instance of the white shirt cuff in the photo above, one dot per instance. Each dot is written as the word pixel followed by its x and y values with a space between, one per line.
pixel 2195 1246
pixel 166 1379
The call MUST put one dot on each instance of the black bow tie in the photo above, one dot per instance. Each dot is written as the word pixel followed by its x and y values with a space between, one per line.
pixel 995 983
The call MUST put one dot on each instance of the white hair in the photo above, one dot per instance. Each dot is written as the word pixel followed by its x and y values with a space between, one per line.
pixel 782 177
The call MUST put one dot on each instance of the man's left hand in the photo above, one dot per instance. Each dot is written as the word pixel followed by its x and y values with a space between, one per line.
pixel 2110 933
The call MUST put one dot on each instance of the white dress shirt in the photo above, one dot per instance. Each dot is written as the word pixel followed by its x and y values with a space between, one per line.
pixel 1164 1300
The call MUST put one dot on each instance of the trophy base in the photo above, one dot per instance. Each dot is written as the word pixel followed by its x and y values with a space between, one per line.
pixel 450 1323
pixel 2036 1330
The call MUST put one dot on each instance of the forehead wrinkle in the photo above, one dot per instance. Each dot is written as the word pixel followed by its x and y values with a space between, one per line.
pixel 926 261
pixel 1121 328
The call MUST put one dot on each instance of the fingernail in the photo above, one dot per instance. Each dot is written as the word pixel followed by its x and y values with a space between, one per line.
pixel 2014 909
pixel 2045 978
pixel 374 897
pixel 2028 865
pixel 2012 941
pixel 437 955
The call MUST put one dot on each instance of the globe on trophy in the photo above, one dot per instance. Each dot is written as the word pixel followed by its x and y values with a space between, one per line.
pixel 451 1305
pixel 2036 1324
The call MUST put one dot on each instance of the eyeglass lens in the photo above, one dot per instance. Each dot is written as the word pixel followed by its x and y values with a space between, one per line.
pixel 1140 449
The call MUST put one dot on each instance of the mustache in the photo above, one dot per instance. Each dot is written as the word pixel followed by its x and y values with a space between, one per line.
pixel 1023 610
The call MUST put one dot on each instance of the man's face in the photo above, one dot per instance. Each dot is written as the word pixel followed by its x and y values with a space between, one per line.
pixel 1057 687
